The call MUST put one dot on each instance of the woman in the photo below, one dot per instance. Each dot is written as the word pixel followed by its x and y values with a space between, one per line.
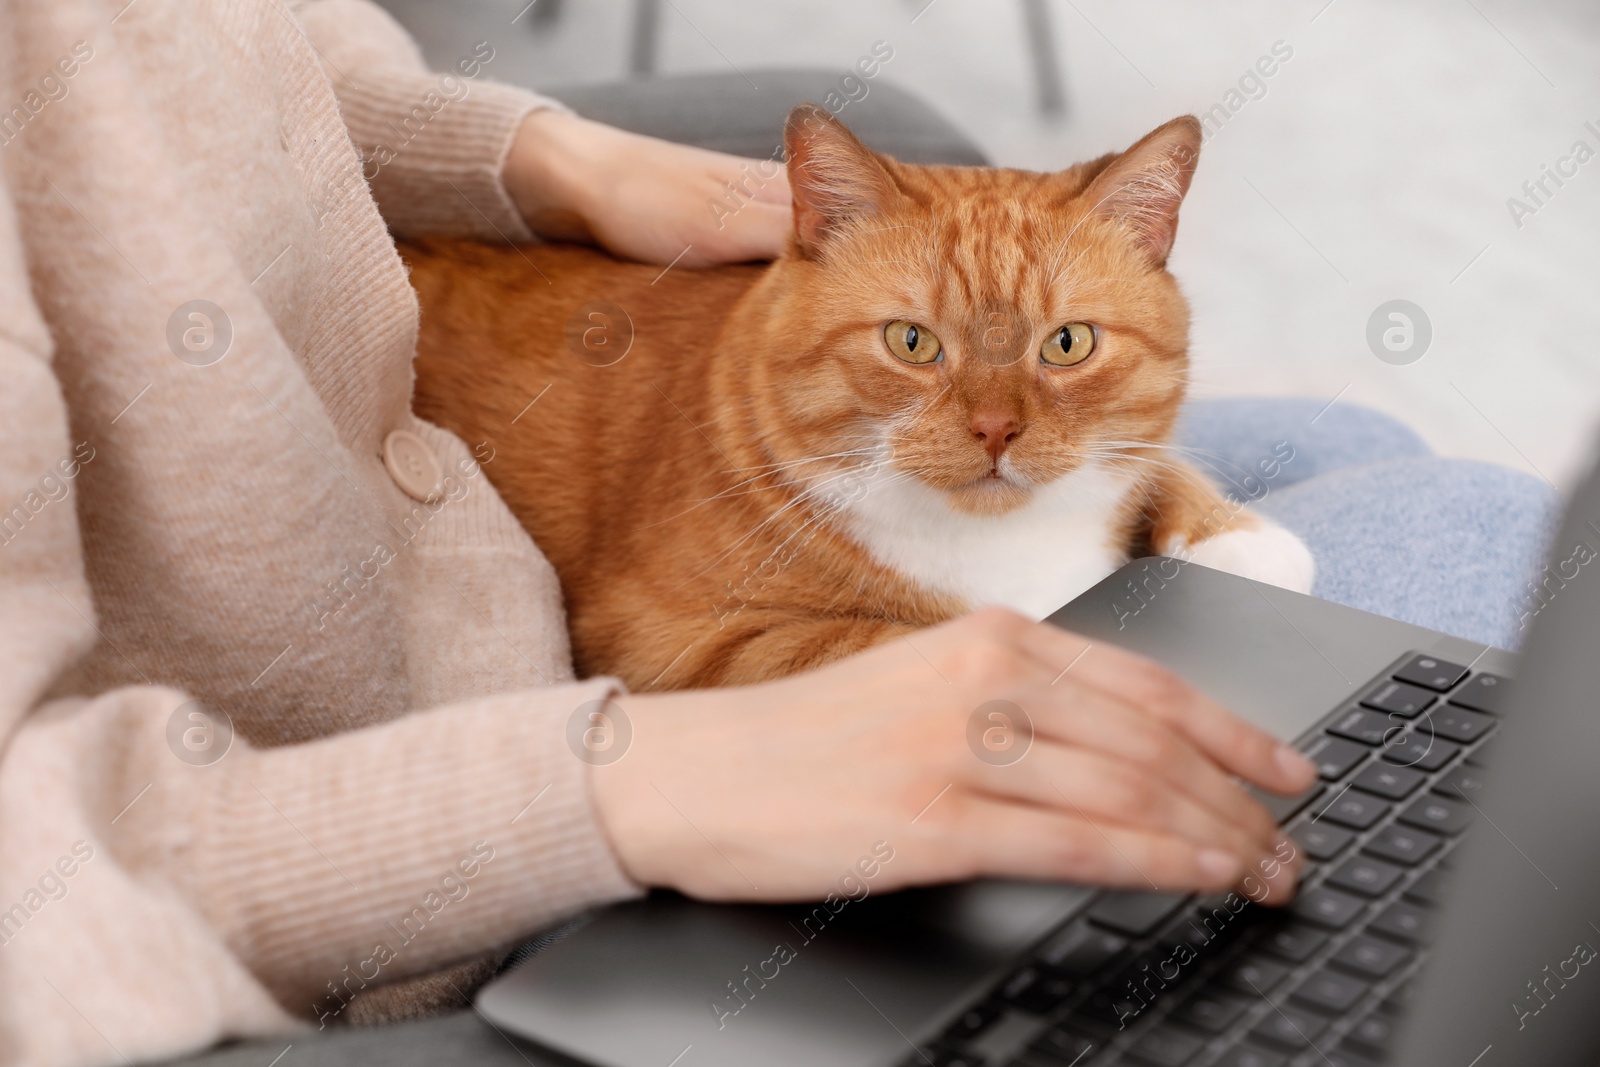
pixel 270 699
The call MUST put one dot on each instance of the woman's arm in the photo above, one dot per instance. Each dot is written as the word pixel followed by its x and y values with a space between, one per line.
pixel 643 198
pixel 1121 774
pixel 455 152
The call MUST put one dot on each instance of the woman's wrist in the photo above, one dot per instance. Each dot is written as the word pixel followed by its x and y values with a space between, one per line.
pixel 549 173
pixel 643 198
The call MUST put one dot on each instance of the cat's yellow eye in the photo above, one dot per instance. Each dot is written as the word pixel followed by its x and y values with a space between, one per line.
pixel 912 343
pixel 1073 343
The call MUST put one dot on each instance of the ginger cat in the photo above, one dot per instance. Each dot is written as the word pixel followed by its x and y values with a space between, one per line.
pixel 954 389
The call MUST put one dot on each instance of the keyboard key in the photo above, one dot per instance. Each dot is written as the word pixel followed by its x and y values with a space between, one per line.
pixel 1431 673
pixel 1371 1036
pixel 1398 698
pixel 1212 1012
pixel 1037 990
pixel 1327 907
pixel 952 1059
pixel 1362 875
pixel 1290 1028
pixel 1334 758
pixel 973 1022
pixel 1142 975
pixel 1135 914
pixel 1081 951
pixel 1353 809
pixel 1061 1045
pixel 1456 724
pixel 1400 845
pixel 1107 1010
pixel 1425 890
pixel 1419 751
pixel 1215 918
pixel 1255 975
pixel 1396 783
pixel 1483 755
pixel 1321 841
pixel 1485 692
pixel 1246 1056
pixel 1295 942
pixel 1282 809
pixel 1330 991
pixel 1403 922
pixel 1461 783
pixel 1186 931
pixel 1166 1046
pixel 1437 814
pixel 1371 957
pixel 1367 727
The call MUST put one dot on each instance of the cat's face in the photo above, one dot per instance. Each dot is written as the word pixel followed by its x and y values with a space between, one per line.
pixel 983 331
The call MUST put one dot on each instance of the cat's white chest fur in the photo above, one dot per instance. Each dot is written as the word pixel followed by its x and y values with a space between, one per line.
pixel 1033 559
pixel 1040 556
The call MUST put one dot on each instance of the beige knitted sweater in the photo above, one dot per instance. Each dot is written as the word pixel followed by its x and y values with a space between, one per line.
pixel 195 506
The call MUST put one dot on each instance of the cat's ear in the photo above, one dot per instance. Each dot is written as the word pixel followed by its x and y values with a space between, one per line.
pixel 1142 188
pixel 833 177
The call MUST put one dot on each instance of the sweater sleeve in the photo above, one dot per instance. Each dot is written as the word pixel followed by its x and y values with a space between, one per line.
pixel 355 860
pixel 433 143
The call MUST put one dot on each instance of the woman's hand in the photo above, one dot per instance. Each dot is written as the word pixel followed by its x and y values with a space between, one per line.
pixel 643 198
pixel 771 792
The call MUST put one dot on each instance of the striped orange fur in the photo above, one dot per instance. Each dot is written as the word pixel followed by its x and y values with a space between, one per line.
pixel 698 495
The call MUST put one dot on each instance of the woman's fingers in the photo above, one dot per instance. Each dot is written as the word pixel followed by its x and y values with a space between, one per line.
pixel 1242 748
pixel 1046 672
pixel 1087 719
pixel 1113 792
pixel 773 190
pixel 1234 744
pixel 1012 840
pixel 755 230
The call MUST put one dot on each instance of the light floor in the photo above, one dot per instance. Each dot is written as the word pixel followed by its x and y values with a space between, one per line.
pixel 1375 164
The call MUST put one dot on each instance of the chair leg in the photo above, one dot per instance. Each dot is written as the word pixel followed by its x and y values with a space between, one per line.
pixel 1051 93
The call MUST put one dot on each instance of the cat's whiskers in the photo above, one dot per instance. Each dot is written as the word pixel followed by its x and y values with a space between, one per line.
pixel 828 510
pixel 1198 455
pixel 796 462
pixel 784 482
pixel 802 497
pixel 825 512
pixel 764 471
pixel 787 506
pixel 877 451
pixel 1187 473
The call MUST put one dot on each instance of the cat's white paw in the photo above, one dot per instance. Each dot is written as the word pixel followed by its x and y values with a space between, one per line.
pixel 1267 553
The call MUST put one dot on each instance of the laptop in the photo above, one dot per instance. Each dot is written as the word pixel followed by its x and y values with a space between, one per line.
pixel 1450 913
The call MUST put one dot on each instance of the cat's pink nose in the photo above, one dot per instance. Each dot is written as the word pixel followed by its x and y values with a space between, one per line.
pixel 995 431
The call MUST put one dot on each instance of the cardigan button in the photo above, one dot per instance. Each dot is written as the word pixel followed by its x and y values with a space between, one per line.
pixel 412 465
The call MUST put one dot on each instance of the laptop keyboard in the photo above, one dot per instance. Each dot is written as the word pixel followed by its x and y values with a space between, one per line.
pixel 1165 980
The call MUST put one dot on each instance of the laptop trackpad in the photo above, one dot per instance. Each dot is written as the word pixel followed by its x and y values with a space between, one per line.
pixel 669 981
